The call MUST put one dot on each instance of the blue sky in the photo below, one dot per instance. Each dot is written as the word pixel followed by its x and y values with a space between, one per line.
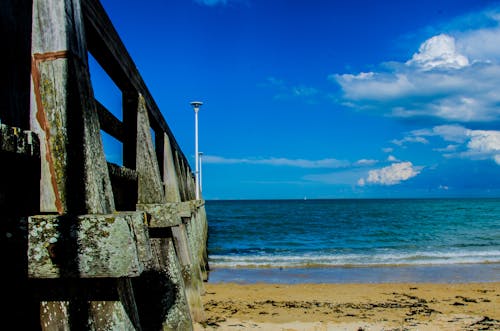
pixel 323 99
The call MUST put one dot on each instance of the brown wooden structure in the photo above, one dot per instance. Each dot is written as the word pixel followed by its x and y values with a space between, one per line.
pixel 87 244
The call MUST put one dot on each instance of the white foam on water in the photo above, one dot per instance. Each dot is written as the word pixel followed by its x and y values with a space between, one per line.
pixel 311 260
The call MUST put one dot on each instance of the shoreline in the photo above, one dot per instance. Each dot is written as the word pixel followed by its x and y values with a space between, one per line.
pixel 349 306
pixel 431 273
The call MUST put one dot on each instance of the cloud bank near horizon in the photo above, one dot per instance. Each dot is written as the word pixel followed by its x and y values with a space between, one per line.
pixel 280 161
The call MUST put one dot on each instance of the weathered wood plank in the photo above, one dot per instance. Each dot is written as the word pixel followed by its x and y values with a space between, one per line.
pixel 150 183
pixel 166 214
pixel 191 273
pixel 181 171
pixel 122 172
pixel 88 246
pixel 170 176
pixel 74 174
pixel 177 315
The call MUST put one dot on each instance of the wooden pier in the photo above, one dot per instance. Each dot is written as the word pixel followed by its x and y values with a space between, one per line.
pixel 87 244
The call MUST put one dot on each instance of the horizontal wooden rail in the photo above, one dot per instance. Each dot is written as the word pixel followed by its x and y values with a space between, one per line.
pixel 109 123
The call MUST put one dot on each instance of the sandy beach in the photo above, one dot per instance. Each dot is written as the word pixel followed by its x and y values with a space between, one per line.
pixel 321 307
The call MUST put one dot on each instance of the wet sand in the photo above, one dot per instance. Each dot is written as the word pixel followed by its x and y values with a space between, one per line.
pixel 439 273
pixel 383 306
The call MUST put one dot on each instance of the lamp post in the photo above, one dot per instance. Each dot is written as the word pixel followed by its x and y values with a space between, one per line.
pixel 200 154
pixel 196 106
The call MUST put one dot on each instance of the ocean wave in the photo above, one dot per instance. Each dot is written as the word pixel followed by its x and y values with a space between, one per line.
pixel 325 260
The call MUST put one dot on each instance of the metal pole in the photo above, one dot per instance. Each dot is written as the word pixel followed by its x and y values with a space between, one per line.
pixel 196 106
pixel 197 180
pixel 201 173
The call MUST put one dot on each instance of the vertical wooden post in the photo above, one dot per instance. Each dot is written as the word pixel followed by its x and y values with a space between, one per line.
pixel 170 177
pixel 191 185
pixel 74 173
pixel 179 166
pixel 149 179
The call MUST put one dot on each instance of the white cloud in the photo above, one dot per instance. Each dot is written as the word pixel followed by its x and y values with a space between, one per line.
pixel 222 160
pixel 438 52
pixel 299 163
pixel 391 175
pixel 346 172
pixel 481 44
pixel 472 144
pixel 483 144
pixel 392 158
pixel 484 141
pixel 451 77
pixel 410 139
pixel 365 162
pixel 378 87
pixel 360 76
pixel 453 133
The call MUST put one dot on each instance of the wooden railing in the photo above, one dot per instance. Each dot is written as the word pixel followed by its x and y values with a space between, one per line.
pixel 105 246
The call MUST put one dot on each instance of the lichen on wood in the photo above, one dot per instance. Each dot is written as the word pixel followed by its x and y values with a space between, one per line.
pixel 115 245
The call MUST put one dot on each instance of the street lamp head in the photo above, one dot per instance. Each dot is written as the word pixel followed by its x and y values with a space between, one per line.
pixel 196 105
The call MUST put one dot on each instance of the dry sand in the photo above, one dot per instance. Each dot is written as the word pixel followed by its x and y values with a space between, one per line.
pixel 321 307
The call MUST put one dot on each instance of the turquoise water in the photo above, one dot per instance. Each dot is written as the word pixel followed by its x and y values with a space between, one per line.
pixel 310 234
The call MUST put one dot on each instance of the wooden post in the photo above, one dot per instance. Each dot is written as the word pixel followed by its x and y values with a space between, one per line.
pixel 191 185
pixel 148 171
pixel 170 177
pixel 74 172
pixel 179 166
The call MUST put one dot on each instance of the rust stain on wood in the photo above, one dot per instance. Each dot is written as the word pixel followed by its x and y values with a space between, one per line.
pixel 50 56
pixel 42 118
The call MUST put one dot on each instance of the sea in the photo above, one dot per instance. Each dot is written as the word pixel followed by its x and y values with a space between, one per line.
pixel 355 241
